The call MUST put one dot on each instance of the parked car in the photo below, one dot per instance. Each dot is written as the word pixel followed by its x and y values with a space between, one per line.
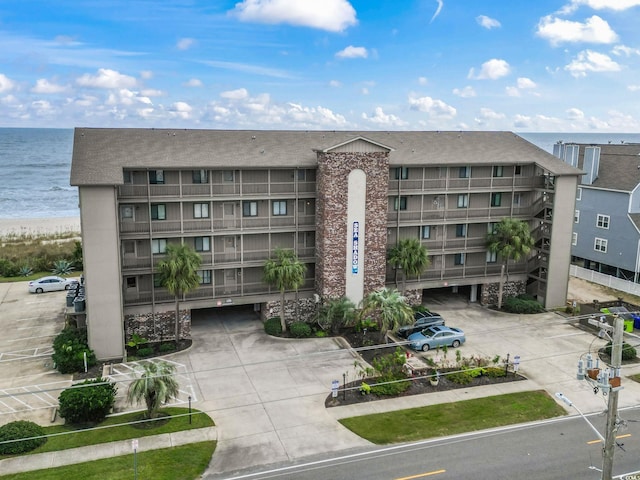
pixel 432 337
pixel 422 321
pixel 50 284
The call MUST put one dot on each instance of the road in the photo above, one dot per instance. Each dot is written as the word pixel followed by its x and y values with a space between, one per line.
pixel 564 449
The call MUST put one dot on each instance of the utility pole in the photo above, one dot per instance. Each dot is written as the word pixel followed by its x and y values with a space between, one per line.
pixel 612 408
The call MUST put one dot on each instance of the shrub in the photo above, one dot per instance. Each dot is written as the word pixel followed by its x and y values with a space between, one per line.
pixel 390 369
pixel 321 334
pixel 367 323
pixel 89 401
pixel 494 372
pixel 145 352
pixel 167 347
pixel 62 267
pixel 18 430
pixel 461 378
pixel 69 348
pixel 520 305
pixel 628 351
pixel 300 330
pixel 273 327
pixel 8 268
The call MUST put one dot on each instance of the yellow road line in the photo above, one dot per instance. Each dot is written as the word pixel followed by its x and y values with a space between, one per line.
pixel 428 474
pixel 600 441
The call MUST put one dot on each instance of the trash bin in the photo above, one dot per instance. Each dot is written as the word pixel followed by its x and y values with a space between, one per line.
pixel 636 321
pixel 628 326
pixel 78 304
pixel 71 296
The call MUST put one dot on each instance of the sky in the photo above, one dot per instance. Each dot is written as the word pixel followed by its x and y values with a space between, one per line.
pixel 518 65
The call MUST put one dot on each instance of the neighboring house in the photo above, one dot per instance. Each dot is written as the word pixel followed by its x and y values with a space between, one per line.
pixel 606 230
pixel 339 199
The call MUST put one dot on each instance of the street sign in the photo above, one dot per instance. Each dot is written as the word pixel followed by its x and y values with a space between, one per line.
pixel 334 388
pixel 134 444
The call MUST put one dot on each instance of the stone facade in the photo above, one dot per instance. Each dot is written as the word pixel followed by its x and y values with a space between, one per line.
pixel 157 327
pixel 414 297
pixel 307 308
pixel 331 219
pixel 489 293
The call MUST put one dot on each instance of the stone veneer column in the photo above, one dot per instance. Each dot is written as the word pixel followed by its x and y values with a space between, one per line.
pixel 332 253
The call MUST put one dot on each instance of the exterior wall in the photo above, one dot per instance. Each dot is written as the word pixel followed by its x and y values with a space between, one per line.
pixel 564 201
pixel 490 291
pixel 622 236
pixel 158 326
pixel 332 202
pixel 306 310
pixel 101 253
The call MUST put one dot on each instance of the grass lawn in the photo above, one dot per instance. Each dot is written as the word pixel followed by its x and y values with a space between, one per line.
pixel 453 418
pixel 67 436
pixel 186 462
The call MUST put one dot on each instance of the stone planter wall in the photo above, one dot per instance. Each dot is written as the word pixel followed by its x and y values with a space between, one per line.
pixel 489 291
pixel 306 310
pixel 157 327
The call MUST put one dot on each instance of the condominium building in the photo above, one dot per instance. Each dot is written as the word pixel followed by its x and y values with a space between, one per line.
pixel 606 230
pixel 339 199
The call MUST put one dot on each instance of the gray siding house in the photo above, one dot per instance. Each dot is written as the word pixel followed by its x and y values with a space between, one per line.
pixel 606 230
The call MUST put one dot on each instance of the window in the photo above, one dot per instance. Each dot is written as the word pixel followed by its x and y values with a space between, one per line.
pixel 463 200
pixel 491 227
pixel 228 175
pixel 202 244
pixel 205 277
pixel 131 282
pixel 579 193
pixel 464 172
pixel 492 257
pixel 249 209
pixel 157 281
pixel 158 245
pixel 517 199
pixel 400 203
pixel 461 230
pixel 600 245
pixel 200 210
pixel 127 176
pixel 129 247
pixel 602 221
pixel 307 239
pixel 302 175
pixel 279 207
pixel 458 259
pixel 200 176
pixel 156 177
pixel 574 239
pixel 158 211
pixel 496 199
pixel 126 211
pixel 307 207
pixel 517 170
pixel 576 216
pixel 498 171
pixel 426 231
pixel 402 173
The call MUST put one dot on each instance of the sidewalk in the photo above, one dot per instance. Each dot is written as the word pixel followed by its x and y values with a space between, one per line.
pixel 41 461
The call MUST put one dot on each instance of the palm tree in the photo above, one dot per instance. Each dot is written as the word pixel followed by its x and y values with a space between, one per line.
pixel 156 386
pixel 335 313
pixel 285 272
pixel 389 308
pixel 511 239
pixel 179 274
pixel 410 256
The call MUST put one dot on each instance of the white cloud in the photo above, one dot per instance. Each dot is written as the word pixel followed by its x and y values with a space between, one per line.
pixel 330 15
pixel 152 92
pixel 146 74
pixel 185 43
pixel 106 78
pixel 353 52
pixel 601 5
pixel 489 114
pixel 381 118
pixel 590 61
pixel 525 83
pixel 622 50
pixel 126 97
pixel 6 84
pixel 594 30
pixel 575 114
pixel 438 10
pixel 423 81
pixel 248 68
pixel 364 91
pixel 335 84
pixel 181 110
pixel 193 82
pixel 512 91
pixel 44 86
pixel 633 88
pixel 466 92
pixel 434 107
pixel 239 94
pixel 487 22
pixel 522 121
pixel 491 70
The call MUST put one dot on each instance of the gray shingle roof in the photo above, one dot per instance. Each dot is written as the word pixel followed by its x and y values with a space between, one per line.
pixel 100 154
pixel 619 166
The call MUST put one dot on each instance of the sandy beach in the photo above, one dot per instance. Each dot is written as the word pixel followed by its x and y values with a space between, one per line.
pixel 39 226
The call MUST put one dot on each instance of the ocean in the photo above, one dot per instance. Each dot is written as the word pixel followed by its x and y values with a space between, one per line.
pixel 36 162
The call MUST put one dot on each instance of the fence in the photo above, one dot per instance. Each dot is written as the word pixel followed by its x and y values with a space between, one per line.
pixel 606 280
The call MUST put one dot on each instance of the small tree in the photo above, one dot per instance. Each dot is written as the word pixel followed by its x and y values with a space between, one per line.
pixel 155 386
pixel 336 313
pixel 410 257
pixel 179 274
pixel 388 308
pixel 511 239
pixel 285 272
pixel 89 401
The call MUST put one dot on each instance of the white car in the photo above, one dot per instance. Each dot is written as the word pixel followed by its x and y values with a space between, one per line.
pixel 50 284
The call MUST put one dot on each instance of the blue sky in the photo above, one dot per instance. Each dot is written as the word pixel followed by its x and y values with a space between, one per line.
pixel 527 66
